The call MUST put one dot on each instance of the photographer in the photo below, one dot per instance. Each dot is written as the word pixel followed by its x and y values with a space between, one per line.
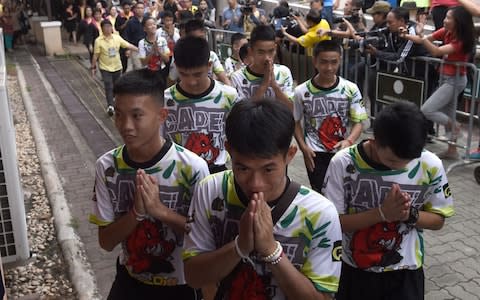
pixel 351 13
pixel 251 16
pixel 398 48
pixel 308 40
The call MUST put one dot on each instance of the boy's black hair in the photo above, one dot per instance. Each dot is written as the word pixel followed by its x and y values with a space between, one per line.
pixel 194 25
pixel 145 19
pixel 237 37
pixel 243 52
pixel 262 33
pixel 403 128
pixel 401 13
pixel 314 16
pixel 167 14
pixel 104 23
pixel 260 128
pixel 324 46
pixel 191 52
pixel 141 82
pixel 184 16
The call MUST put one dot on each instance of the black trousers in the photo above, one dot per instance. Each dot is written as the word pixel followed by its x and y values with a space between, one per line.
pixel 321 160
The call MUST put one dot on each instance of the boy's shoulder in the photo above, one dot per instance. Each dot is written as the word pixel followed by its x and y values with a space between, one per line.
pixel 227 89
pixel 281 69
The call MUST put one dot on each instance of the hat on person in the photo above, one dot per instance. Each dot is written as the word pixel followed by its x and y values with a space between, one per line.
pixel 379 7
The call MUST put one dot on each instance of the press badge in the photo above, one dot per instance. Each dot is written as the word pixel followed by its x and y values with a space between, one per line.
pixel 111 52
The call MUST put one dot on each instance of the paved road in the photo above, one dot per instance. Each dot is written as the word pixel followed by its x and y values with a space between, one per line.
pixel 78 130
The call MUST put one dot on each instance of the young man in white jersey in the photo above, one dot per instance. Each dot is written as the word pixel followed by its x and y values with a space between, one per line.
pixel 263 78
pixel 234 62
pixel 253 230
pixel 198 105
pixel 142 194
pixel 326 105
pixel 387 190
pixel 197 28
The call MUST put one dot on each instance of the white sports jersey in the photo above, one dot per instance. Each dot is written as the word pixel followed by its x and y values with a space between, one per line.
pixel 326 112
pixel 246 82
pixel 309 231
pixel 145 48
pixel 197 121
pixel 232 65
pixel 216 68
pixel 354 183
pixel 152 252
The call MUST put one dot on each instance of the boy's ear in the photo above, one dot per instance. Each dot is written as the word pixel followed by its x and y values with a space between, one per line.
pixel 292 150
pixel 162 114
pixel 210 64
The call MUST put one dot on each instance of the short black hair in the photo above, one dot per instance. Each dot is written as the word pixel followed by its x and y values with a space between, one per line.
pixel 261 128
pixel 194 25
pixel 324 46
pixel 126 3
pixel 403 128
pixel 104 23
pixel 262 33
pixel 167 14
pixel 184 16
pixel 141 82
pixel 237 36
pixel 145 19
pixel 401 13
pixel 314 16
pixel 191 52
pixel 243 52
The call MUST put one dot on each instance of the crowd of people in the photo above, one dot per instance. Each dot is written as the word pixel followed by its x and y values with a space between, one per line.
pixel 191 227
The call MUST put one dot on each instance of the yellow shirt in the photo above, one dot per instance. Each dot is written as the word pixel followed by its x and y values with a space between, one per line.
pixel 108 51
pixel 310 39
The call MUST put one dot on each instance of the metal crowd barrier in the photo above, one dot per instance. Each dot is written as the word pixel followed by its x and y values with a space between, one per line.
pixel 219 41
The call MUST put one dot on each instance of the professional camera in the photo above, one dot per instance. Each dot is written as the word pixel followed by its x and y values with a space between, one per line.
pixel 354 18
pixel 246 6
pixel 376 32
pixel 378 42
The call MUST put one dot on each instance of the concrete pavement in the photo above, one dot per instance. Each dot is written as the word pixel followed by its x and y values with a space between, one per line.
pixel 452 263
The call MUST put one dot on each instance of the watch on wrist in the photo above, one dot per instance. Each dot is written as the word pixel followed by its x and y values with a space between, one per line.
pixel 413 216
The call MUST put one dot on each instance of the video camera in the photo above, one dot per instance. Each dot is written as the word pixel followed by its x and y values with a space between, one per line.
pixel 246 6
pixel 285 18
pixel 375 38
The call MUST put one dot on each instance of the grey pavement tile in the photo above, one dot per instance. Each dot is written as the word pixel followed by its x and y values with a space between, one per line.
pixel 459 292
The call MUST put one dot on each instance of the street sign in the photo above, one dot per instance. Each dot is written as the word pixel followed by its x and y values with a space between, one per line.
pixel 393 87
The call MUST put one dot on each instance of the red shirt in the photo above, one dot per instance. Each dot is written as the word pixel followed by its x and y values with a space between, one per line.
pixel 457 56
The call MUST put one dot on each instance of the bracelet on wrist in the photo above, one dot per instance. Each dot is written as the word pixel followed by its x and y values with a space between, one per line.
pixel 382 215
pixel 275 262
pixel 244 258
pixel 139 217
pixel 275 256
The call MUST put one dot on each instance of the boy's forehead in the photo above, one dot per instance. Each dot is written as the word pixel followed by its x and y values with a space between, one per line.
pixel 263 45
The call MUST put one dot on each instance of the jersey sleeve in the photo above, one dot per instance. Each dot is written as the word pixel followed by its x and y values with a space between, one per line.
pixel 102 210
pixel 142 53
pixel 172 73
pixel 358 113
pixel 229 66
pixel 333 188
pixel 200 239
pixel 287 87
pixel 323 263
pixel 298 103
pixel 163 45
pixel 440 200
pixel 236 80
pixel 216 64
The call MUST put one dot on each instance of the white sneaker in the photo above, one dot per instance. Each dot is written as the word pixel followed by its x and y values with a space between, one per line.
pixel 110 110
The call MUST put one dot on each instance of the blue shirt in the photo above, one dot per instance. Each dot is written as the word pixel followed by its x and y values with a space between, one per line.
pixel 134 31
pixel 229 14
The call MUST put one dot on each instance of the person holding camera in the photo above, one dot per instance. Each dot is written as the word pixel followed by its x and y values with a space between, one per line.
pixel 232 17
pixel 252 16
pixel 309 39
pixel 351 13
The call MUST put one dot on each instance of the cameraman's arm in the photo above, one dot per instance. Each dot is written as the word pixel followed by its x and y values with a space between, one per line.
pixel 301 23
pixel 402 52
pixel 254 19
pixel 288 36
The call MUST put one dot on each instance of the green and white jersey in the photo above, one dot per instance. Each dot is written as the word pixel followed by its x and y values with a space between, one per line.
pixel 232 65
pixel 197 122
pixel 309 231
pixel 246 82
pixel 216 67
pixel 326 112
pixel 152 252
pixel 355 184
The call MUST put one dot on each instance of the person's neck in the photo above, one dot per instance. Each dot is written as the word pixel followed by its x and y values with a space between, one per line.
pixel 146 152
pixel 151 36
pixel 325 82
pixel 202 88
pixel 371 151
pixel 236 56
pixel 280 190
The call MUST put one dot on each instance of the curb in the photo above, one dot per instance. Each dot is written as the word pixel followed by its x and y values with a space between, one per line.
pixel 80 270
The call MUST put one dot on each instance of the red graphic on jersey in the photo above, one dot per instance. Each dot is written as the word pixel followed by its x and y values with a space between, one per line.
pixel 202 145
pixel 377 245
pixel 247 284
pixel 331 131
pixel 148 250
pixel 154 63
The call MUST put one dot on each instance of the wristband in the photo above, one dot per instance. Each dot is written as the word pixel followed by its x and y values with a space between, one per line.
pixel 245 258
pixel 275 256
pixel 382 214
pixel 138 217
